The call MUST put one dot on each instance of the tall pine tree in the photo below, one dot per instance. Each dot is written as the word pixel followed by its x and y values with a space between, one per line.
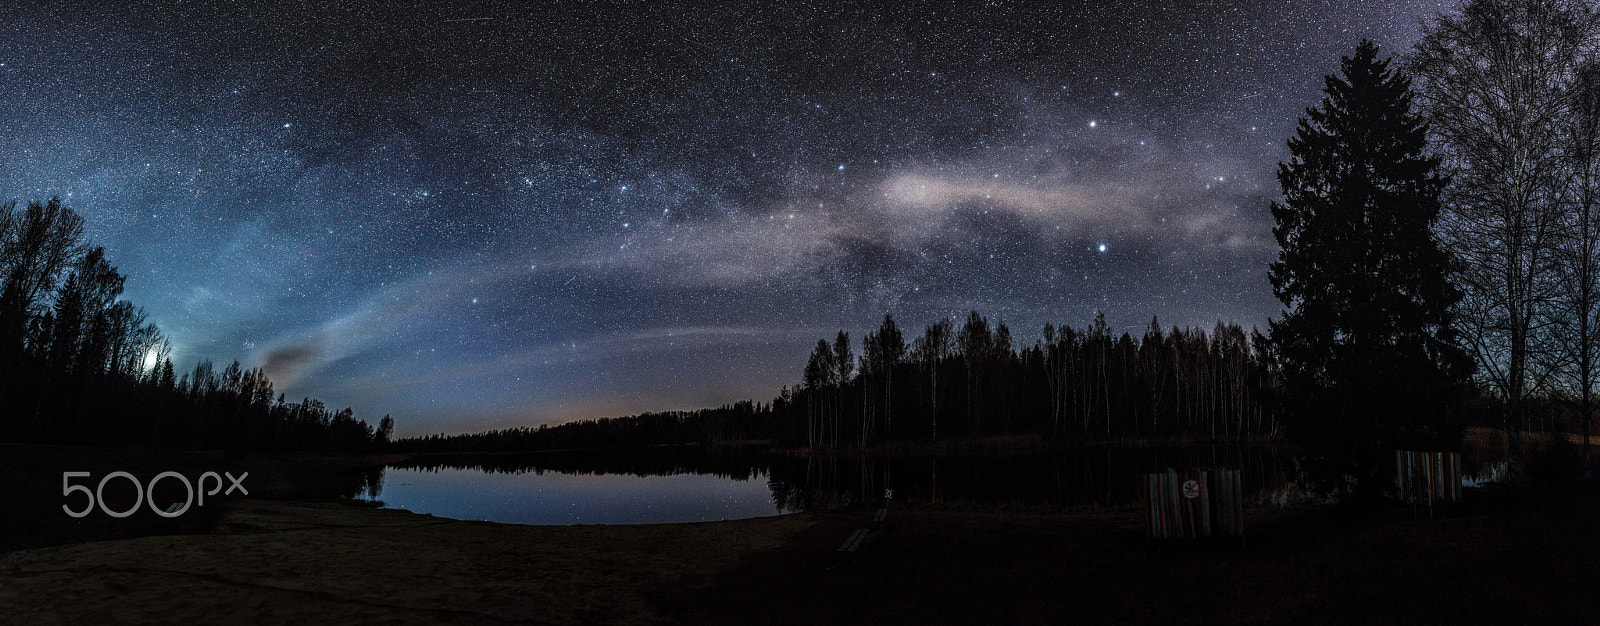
pixel 1371 361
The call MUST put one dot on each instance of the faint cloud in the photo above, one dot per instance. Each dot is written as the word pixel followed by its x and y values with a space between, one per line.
pixel 1074 205
pixel 1056 181
pixel 729 251
pixel 287 361
pixel 288 358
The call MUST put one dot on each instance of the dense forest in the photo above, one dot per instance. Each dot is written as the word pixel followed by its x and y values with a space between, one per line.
pixel 1074 385
pixel 79 364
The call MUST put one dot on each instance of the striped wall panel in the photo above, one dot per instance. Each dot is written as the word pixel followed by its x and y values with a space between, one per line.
pixel 1427 477
pixel 1194 503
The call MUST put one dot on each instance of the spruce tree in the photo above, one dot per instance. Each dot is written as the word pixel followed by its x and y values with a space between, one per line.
pixel 1371 361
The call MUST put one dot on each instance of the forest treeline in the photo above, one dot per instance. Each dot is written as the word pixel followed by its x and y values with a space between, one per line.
pixel 735 462
pixel 81 365
pixel 1074 384
pixel 1439 263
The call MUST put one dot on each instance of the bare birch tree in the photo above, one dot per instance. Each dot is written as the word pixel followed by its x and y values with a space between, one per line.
pixel 1581 254
pixel 1493 83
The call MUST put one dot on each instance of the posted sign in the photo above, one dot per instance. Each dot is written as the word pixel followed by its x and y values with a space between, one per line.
pixel 1195 503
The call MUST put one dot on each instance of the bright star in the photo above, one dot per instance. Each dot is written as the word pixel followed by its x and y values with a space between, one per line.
pixel 1102 247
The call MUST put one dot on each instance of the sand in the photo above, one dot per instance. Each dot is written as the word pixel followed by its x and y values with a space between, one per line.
pixel 291 562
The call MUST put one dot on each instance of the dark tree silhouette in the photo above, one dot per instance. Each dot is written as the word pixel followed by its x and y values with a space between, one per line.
pixel 1369 352
pixel 818 378
pixel 37 245
pixel 844 363
pixel 385 431
pixel 976 345
pixel 932 350
pixel 890 353
pixel 82 366
pixel 1178 384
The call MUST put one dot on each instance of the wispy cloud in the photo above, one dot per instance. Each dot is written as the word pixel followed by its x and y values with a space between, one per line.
pixel 1112 184
pixel 729 251
pixel 924 195
pixel 382 315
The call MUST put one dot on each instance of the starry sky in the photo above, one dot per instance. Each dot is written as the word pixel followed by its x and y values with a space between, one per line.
pixel 479 214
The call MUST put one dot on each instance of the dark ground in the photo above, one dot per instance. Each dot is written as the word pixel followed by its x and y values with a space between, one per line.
pixel 1530 558
pixel 31 489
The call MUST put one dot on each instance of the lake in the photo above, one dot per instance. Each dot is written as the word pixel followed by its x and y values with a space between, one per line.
pixel 533 497
pixel 691 484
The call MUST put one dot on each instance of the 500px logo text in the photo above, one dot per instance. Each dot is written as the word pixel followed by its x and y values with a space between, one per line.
pixel 147 493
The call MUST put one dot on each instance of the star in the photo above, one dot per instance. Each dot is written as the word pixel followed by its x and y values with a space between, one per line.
pixel 420 164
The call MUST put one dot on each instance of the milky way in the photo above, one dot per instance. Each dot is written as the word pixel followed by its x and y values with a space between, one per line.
pixel 475 215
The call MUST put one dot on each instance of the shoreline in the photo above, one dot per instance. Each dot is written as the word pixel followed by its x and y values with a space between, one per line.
pixel 1497 558
pixel 276 561
pixel 276 557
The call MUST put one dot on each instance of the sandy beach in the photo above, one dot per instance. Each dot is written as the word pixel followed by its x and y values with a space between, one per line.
pixel 293 562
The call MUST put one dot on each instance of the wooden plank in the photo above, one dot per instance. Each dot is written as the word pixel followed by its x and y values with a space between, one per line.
pixel 879 517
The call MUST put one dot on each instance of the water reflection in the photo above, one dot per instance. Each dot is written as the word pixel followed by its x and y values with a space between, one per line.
pixel 1103 475
pixel 652 485
pixel 736 463
pixel 563 498
pixel 681 484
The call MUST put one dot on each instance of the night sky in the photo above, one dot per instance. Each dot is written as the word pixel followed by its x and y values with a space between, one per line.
pixel 475 215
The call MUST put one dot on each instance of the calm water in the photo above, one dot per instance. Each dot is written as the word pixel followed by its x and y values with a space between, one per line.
pixel 555 498
pixel 666 485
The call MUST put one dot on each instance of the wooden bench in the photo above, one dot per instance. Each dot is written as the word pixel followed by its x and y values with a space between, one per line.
pixel 852 547
pixel 856 541
pixel 878 519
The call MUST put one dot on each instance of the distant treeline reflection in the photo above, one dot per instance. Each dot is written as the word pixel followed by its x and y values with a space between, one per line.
pixel 1088 475
pixel 1085 475
pixel 736 462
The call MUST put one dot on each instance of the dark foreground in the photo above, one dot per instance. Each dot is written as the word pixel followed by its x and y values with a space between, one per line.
pixel 1531 560
pixel 1524 559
